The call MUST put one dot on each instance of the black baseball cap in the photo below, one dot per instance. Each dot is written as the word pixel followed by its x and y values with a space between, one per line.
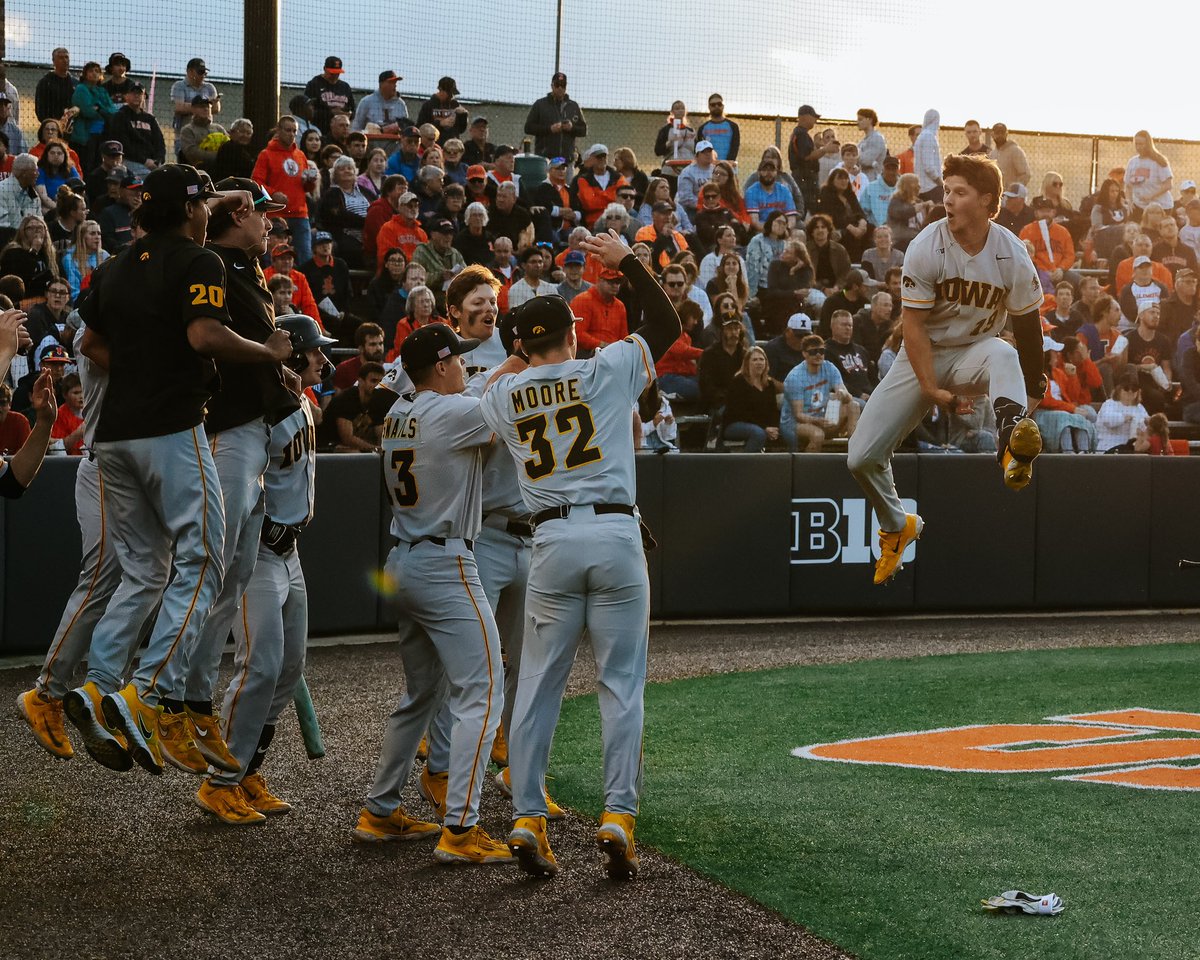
pixel 411 132
pixel 263 201
pixel 115 59
pixel 541 317
pixel 479 122
pixel 200 101
pixel 138 86
pixel 807 111
pixel 334 65
pixel 112 148
pixel 176 183
pixel 431 344
pixel 442 226
pixel 448 84
pixel 389 75
pixel 663 206
pixel 130 181
pixel 197 64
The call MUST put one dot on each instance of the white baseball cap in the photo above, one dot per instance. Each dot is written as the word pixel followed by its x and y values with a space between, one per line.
pixel 1141 261
pixel 801 322
pixel 1187 185
pixel 1048 344
pixel 1017 190
pixel 594 149
pixel 703 145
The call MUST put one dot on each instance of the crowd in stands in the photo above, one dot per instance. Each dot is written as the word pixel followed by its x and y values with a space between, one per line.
pixel 785 268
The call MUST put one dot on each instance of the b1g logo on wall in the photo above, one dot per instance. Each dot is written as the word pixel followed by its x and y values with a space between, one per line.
pixel 838 531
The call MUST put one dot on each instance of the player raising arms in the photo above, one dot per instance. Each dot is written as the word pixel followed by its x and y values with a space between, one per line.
pixel 566 423
pixel 963 276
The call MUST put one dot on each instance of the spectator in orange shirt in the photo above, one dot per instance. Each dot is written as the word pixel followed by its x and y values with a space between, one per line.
pixel 1054 251
pixel 1142 246
pixel 677 375
pixel 284 170
pixel 1079 378
pixel 662 238
pixel 68 425
pixel 403 230
pixel 600 318
pixel 283 262
pixel 596 187
pixel 381 210
pixel 907 162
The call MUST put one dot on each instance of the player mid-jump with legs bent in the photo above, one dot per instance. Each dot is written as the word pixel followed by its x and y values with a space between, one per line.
pixel 963 276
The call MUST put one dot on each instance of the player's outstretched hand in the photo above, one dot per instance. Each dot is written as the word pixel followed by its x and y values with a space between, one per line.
pixel 42 397
pixel 279 345
pixel 609 247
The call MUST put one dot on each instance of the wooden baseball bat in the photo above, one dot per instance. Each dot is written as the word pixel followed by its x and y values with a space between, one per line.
pixel 310 728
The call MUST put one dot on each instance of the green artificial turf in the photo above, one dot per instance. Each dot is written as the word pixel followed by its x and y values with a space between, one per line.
pixel 890 862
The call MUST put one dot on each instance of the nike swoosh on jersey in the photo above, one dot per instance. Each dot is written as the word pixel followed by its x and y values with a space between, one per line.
pixel 239 266
pixel 998 257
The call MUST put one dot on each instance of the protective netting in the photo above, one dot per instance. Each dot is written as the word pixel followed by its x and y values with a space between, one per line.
pixel 625 65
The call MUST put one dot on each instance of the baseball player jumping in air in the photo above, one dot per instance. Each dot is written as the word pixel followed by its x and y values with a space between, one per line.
pixel 237 423
pixel 567 424
pixel 503 547
pixel 272 631
pixel 434 440
pixel 99 577
pixel 156 319
pixel 963 277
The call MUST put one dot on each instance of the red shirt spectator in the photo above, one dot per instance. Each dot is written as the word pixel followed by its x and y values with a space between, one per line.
pixel 680 358
pixel 14 428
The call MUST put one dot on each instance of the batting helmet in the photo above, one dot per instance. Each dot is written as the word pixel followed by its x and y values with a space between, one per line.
pixel 305 335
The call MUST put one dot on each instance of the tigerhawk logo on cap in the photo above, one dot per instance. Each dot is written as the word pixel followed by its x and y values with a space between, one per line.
pixel 538 330
pixel 145 194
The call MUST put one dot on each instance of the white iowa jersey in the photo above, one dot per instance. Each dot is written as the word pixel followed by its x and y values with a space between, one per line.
pixel 568 425
pixel 290 480
pixel 968 298
pixel 433 447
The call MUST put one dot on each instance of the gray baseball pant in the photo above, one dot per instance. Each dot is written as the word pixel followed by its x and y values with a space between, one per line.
pixel 587 572
pixel 161 499
pixel 241 455
pixel 270 636
pixel 897 405
pixel 448 642
pixel 503 562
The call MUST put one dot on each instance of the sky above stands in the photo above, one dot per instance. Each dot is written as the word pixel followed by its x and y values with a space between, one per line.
pixel 1048 65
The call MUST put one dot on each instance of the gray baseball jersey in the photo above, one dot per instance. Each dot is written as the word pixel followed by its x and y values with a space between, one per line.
pixel 95 384
pixel 290 480
pixel 488 355
pixel 434 494
pixel 968 298
pixel 568 425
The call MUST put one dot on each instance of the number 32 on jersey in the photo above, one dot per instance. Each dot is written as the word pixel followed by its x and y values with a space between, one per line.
pixel 576 420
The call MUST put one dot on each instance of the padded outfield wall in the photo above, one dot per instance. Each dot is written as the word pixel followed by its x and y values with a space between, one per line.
pixel 743 536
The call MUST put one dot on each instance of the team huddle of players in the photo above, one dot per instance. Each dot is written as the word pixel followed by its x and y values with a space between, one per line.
pixel 509 466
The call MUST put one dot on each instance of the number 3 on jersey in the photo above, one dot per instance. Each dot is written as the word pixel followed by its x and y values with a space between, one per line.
pixel 532 430
pixel 402 491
